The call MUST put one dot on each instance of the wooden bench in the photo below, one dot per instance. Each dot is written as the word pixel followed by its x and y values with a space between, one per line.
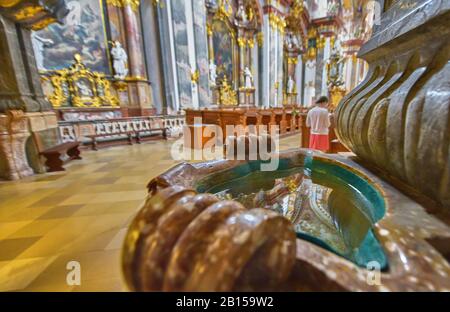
pixel 129 134
pixel 53 155
pixel 139 138
pixel 94 143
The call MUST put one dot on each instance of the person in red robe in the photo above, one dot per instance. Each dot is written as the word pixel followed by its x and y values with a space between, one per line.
pixel 318 120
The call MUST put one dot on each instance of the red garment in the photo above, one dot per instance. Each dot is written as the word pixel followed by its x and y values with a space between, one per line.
pixel 319 142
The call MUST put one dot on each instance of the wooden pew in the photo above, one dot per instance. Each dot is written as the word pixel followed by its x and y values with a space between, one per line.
pixel 54 155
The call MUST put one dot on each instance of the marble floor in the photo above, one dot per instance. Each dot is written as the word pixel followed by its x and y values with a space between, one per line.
pixel 80 215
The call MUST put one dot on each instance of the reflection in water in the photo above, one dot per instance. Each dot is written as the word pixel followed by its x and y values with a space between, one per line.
pixel 322 208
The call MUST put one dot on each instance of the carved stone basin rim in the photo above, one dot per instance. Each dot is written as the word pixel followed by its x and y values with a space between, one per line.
pixel 406 232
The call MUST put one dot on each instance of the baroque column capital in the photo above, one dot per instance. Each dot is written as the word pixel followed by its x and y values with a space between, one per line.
pixel 124 3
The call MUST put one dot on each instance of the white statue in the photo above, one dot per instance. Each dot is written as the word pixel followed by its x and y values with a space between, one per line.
pixel 290 85
pixel 241 16
pixel 335 68
pixel 292 41
pixel 248 78
pixel 39 44
pixel 212 72
pixel 120 60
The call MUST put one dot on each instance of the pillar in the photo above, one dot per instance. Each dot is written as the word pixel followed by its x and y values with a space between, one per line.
pixel 26 117
pixel 139 89
pixel 152 47
pixel 320 64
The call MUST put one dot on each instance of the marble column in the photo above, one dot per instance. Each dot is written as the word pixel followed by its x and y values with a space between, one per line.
pixel 23 108
pixel 17 98
pixel 192 52
pixel 309 90
pixel 266 67
pixel 15 89
pixel 300 72
pixel 320 62
pixel 351 66
pixel 153 48
pixel 242 57
pixel 169 59
pixel 326 57
pixel 139 88
pixel 201 49
pixel 280 60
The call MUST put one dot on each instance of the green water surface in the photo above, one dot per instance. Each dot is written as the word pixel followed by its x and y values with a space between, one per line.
pixel 353 203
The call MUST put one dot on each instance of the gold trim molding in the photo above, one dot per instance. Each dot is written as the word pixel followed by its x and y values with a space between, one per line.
pixel 277 22
pixel 124 3
pixel 8 3
pixel 77 86
pixel 227 95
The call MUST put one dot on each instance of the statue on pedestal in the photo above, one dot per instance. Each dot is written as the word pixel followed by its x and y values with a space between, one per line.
pixel 292 41
pixel 241 16
pixel 120 60
pixel 212 72
pixel 248 78
pixel 290 85
pixel 335 66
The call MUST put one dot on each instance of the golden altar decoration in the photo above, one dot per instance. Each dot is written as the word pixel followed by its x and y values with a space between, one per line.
pixel 77 86
pixel 227 95
pixel 336 95
pixel 335 68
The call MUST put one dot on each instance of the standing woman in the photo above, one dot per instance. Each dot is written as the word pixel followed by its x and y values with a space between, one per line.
pixel 318 119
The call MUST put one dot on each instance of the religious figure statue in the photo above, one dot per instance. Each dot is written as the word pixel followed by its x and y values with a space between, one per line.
pixel 241 16
pixel 290 85
pixel 120 60
pixel 212 72
pixel 292 41
pixel 39 44
pixel 335 69
pixel 248 78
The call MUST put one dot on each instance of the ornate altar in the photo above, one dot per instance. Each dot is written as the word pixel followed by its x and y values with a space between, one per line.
pixel 294 45
pixel 334 78
pixel 77 86
pixel 232 29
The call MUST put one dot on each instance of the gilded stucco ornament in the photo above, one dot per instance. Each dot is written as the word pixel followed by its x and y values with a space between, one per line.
pixel 134 4
pixel 277 22
pixel 28 12
pixel 80 87
pixel 8 3
pixel 33 14
pixel 195 76
pixel 227 95
pixel 260 38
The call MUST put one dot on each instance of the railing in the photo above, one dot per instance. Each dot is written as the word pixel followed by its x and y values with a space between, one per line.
pixel 71 131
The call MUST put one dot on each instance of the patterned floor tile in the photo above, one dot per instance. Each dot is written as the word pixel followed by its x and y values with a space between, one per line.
pixel 81 214
pixel 11 248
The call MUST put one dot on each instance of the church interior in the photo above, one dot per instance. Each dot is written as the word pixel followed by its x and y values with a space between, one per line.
pixel 180 145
